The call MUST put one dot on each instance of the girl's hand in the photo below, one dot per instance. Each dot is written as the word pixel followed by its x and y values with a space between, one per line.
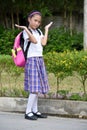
pixel 31 37
pixel 49 25
pixel 21 27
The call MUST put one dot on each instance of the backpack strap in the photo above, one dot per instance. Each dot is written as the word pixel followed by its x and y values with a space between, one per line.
pixel 38 31
pixel 29 30
pixel 25 52
pixel 27 47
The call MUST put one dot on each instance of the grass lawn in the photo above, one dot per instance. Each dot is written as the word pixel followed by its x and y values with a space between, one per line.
pixel 70 83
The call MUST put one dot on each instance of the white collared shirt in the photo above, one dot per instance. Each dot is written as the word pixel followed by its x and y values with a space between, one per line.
pixel 35 50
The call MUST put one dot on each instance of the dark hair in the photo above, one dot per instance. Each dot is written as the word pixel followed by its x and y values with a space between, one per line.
pixel 32 13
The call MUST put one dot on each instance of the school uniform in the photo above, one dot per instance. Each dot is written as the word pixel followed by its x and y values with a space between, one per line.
pixel 35 80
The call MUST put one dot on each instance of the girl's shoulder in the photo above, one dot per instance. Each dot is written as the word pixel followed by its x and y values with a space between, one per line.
pixel 25 35
pixel 39 31
pixel 24 32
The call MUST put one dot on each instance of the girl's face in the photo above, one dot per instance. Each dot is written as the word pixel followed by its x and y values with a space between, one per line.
pixel 34 21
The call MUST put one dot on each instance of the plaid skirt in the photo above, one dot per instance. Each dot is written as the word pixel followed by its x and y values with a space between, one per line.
pixel 35 76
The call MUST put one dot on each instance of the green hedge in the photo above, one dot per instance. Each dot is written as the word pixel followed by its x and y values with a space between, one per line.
pixel 7 40
pixel 12 74
pixel 61 64
pixel 59 40
pixel 66 63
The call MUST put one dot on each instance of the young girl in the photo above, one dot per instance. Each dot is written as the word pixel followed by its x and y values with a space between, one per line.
pixel 35 73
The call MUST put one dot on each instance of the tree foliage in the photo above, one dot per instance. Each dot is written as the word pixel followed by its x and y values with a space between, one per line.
pixel 11 11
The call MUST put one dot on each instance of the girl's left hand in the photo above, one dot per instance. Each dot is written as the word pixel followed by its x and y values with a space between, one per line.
pixel 49 25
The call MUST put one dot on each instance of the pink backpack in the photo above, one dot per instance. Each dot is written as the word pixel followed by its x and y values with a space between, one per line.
pixel 18 54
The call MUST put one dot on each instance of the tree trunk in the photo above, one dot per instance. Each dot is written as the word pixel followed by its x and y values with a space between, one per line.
pixel 83 82
pixel 85 24
pixel 65 15
pixel 30 2
pixel 6 22
pixel 65 20
pixel 71 23
pixel 18 18
pixel 3 20
pixel 12 19
pixel 57 87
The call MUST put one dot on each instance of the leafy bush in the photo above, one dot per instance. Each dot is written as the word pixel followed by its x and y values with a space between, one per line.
pixel 64 64
pixel 63 92
pixel 60 40
pixel 75 96
pixel 6 40
pixel 7 65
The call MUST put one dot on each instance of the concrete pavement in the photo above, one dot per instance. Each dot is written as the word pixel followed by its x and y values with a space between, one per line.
pixel 16 121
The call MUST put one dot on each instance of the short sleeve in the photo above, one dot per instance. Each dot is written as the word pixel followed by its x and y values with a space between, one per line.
pixel 25 35
pixel 26 39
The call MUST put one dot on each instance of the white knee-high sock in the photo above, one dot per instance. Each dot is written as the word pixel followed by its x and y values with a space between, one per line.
pixel 30 103
pixel 35 105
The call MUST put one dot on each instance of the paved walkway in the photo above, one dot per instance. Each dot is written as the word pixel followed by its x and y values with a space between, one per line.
pixel 16 121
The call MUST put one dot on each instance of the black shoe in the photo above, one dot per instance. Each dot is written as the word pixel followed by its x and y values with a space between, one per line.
pixel 41 115
pixel 33 117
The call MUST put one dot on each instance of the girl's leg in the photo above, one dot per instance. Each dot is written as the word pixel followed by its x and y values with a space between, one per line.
pixel 35 109
pixel 35 105
pixel 31 100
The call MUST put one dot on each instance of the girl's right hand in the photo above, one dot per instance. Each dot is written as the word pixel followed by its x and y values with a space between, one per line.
pixel 21 27
pixel 31 37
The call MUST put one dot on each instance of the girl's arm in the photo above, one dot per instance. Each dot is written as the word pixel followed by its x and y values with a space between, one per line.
pixel 44 39
pixel 31 37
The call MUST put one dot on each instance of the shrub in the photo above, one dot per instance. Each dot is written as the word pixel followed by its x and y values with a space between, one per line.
pixel 64 64
pixel 75 96
pixel 60 40
pixel 6 41
pixel 7 65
